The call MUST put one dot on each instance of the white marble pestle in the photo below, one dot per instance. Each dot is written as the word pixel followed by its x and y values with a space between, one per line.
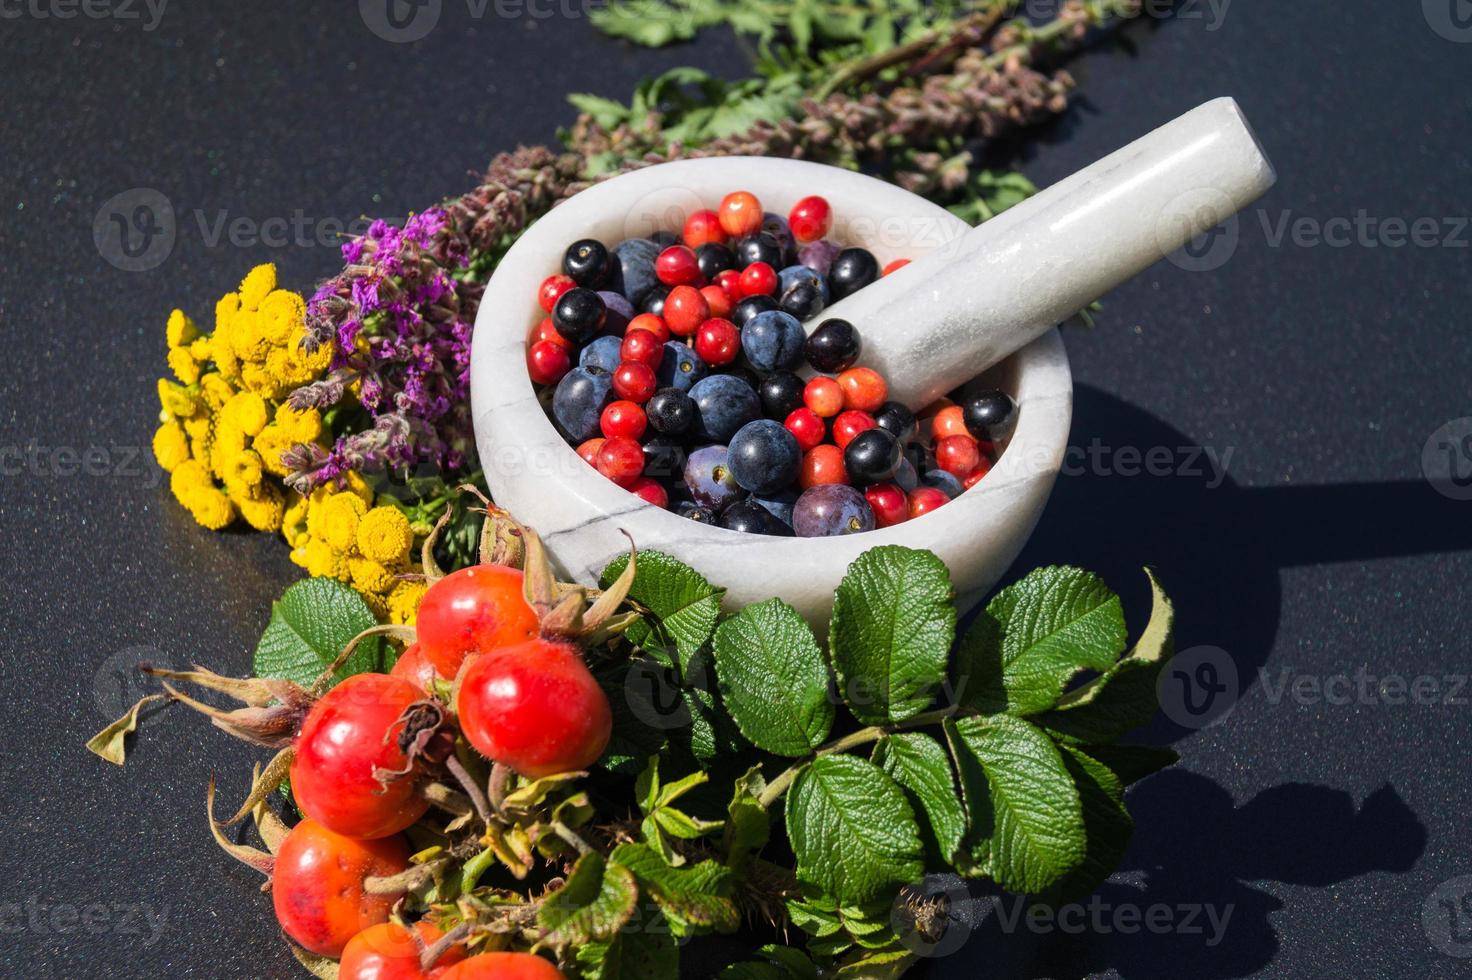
pixel 972 301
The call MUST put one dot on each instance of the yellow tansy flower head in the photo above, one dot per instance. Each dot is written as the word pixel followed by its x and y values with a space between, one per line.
pixel 257 285
pixel 282 315
pixel 180 329
pixel 384 536
pixel 263 511
pixel 170 446
pixel 248 410
pixel 340 515
pixel 244 470
pixel 183 364
pixel 369 575
pixel 324 562
pixel 403 602
pixel 175 400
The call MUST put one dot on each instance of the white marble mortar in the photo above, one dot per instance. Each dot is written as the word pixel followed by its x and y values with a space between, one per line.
pixel 532 472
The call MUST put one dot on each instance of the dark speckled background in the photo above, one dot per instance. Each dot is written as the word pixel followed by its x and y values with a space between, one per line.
pixel 1321 829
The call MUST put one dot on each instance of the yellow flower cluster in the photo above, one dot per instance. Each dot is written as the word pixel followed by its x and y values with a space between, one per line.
pixel 339 534
pixel 223 426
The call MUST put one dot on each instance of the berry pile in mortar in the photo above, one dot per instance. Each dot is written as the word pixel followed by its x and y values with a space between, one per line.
pixel 671 364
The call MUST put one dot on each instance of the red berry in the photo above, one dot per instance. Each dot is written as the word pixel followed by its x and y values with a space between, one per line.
pixel 347 739
pixel 551 288
pixel 547 362
pixel 634 381
pixel 471 610
pixel 547 330
pixel 389 951
pixel 923 500
pixel 702 228
pixel 863 389
pixel 716 299
pixel 974 477
pixel 948 422
pixel 589 450
pixel 894 266
pixel 957 455
pixel 643 347
pixel 849 424
pixel 821 465
pixel 621 420
pixel 758 279
pixel 535 707
pixel 806 428
pixel 650 322
pixel 677 266
pixel 740 213
pixel 890 504
pixel 317 885
pixel 505 966
pixel 718 342
pixel 685 309
pixel 810 219
pixel 824 397
pixel 621 458
pixel 730 282
pixel 650 490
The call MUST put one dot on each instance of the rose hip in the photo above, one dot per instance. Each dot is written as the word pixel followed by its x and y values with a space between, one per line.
pixel 702 228
pixel 677 266
pixel 547 330
pixel 894 266
pixel 622 420
pixel 948 422
pixel 551 288
pixel 923 500
pixel 589 450
pixel 822 465
pixel 729 282
pixel 863 389
pixel 685 309
pixel 621 459
pixel 849 424
pixel 806 428
pixel 758 279
pixel 650 490
pixel 717 302
pixel 651 322
pixel 643 347
pixel 974 477
pixel 957 455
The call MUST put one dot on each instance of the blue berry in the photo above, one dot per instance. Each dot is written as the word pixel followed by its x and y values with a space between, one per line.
pixel 633 268
pixel 620 311
pixel 831 509
pixel 749 307
pixel 773 341
pixel 602 353
pixel 764 456
pixel 944 482
pixel 680 367
pixel 795 275
pixel 818 256
pixel 779 505
pixel 579 400
pixel 726 403
pixel 776 226
pixel 752 518
pixel 906 476
pixel 709 478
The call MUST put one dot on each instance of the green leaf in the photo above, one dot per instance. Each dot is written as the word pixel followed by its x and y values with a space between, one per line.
pixel 713 735
pixel 606 112
pixel 695 898
pixel 644 949
pixel 794 962
pixel 310 624
pixel 684 606
pixel 1132 763
pixel 1027 828
pixel 1107 824
pixel 852 829
pixel 921 767
pixel 640 723
pixel 1035 637
pixel 594 903
pixel 1123 697
pixel 893 623
pixel 678 823
pixel 748 823
pixel 773 679
pixel 887 964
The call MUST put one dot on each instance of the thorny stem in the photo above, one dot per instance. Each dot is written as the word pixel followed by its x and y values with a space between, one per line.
pixel 471 787
pixel 431 954
pixel 571 836
pixel 863 736
pixel 500 777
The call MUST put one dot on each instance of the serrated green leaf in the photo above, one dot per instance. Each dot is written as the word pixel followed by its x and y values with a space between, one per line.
pixel 695 898
pixel 1037 635
pixel 748 823
pixel 886 964
pixel 922 768
pixel 893 623
pixel 310 624
pixel 1123 697
pixel 1107 824
pixel 712 734
pixel 773 679
pixel 646 704
pixel 1132 763
pixel 606 112
pixel 852 829
pixel 794 962
pixel 1027 828
pixel 644 949
pixel 679 824
pixel 683 605
pixel 815 916
pixel 593 904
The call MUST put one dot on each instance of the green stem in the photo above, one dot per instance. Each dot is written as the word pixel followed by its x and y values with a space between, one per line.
pixel 863 736
pixel 474 868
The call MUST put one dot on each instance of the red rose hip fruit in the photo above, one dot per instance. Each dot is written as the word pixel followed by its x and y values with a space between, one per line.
pixel 317 886
pixel 470 610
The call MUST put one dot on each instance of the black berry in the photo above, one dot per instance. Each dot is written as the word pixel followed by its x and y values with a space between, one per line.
pixel 587 262
pixel 750 307
pixel 579 314
pixel 833 347
pixel 852 270
pixel 897 420
pixel 781 394
pixel 872 457
pixel 713 259
pixel 671 411
pixel 760 247
pixel 988 413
